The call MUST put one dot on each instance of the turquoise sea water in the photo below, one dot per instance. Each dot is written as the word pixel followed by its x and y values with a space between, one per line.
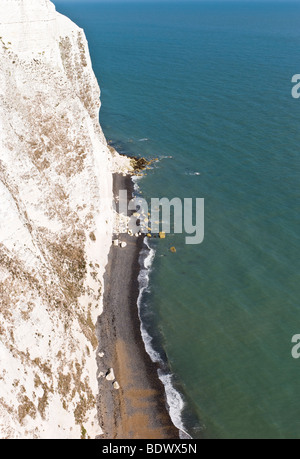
pixel 210 86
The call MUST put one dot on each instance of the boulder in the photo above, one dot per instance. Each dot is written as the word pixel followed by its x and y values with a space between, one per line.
pixel 110 375
pixel 116 385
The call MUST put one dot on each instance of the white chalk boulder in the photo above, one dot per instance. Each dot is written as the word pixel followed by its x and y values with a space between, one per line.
pixel 110 375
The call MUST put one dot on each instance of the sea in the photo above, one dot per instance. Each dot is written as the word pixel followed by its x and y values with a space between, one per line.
pixel 205 88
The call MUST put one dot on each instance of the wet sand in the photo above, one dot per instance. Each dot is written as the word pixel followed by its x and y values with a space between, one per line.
pixel 138 409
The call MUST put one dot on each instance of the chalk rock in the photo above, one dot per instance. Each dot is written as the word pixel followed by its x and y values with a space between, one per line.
pixel 123 245
pixel 110 375
pixel 56 173
pixel 116 385
pixel 116 242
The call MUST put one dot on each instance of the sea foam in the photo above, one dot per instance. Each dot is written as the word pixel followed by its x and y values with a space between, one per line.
pixel 175 401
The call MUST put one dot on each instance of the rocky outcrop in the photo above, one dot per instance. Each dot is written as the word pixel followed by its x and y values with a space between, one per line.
pixel 55 224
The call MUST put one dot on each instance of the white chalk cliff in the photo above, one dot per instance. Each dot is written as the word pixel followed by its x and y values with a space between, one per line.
pixel 55 224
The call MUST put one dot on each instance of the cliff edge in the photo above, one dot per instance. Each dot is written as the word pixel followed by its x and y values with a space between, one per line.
pixel 55 224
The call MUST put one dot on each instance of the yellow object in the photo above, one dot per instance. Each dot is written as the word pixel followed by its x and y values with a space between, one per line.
pixel 149 235
pixel 173 249
pixel 162 235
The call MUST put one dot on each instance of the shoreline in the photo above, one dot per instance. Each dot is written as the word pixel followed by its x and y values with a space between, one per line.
pixel 138 409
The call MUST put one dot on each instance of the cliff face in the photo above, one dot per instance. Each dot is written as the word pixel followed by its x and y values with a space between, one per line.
pixel 55 224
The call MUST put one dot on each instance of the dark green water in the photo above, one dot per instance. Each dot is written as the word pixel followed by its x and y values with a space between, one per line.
pixel 210 86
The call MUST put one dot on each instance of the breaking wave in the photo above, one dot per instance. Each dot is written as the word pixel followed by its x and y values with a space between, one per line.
pixel 174 399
